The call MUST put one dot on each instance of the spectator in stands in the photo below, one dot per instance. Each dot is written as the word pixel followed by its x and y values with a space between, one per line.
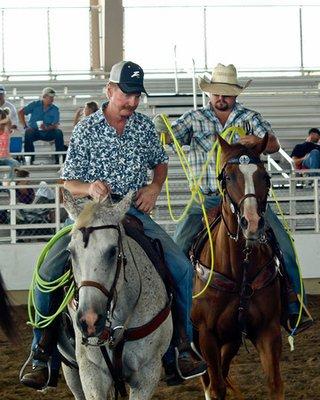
pixel 114 170
pixel 6 104
pixel 24 195
pixel 43 122
pixel 89 108
pixel 306 155
pixel 5 131
pixel 198 129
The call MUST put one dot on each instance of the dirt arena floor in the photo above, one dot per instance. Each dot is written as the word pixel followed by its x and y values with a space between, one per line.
pixel 300 369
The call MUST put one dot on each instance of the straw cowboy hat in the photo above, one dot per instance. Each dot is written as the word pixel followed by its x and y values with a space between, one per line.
pixel 223 82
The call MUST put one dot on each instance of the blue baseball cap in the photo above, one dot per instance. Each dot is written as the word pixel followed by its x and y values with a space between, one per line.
pixel 128 76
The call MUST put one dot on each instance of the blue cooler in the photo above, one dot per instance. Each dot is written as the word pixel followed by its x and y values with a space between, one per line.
pixel 15 144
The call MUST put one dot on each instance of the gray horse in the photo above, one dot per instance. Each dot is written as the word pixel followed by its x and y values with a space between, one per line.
pixel 118 287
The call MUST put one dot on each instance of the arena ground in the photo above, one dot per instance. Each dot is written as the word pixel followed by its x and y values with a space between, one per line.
pixel 300 369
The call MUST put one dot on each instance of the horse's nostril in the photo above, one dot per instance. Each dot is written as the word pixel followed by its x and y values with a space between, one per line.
pixel 243 223
pixel 99 320
pixel 83 326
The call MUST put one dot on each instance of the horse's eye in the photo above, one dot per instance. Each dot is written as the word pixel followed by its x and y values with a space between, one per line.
pixel 112 252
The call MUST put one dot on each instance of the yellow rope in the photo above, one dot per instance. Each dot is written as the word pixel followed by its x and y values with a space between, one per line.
pixel 48 287
pixel 228 134
pixel 195 183
pixel 289 233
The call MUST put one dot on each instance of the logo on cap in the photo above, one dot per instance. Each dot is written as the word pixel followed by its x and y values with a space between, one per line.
pixel 136 74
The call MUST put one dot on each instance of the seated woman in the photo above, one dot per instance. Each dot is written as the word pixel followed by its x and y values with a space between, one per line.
pixel 5 132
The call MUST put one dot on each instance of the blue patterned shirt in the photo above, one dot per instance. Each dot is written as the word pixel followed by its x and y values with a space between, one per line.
pixel 198 129
pixel 98 152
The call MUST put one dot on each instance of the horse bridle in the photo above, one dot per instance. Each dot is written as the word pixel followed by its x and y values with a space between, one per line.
pixel 234 206
pixel 121 262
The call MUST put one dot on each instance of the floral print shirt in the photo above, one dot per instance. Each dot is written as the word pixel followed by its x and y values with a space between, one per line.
pixel 98 152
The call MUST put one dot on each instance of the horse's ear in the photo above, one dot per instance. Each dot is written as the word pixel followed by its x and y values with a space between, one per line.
pixel 123 206
pixel 225 146
pixel 70 204
pixel 260 147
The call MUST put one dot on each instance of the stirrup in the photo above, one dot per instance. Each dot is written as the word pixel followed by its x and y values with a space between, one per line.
pixel 191 348
pixel 28 362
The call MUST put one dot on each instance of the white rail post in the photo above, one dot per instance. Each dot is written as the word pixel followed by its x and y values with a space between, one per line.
pixel 57 205
pixel 194 86
pixel 13 214
pixel 176 83
pixel 316 204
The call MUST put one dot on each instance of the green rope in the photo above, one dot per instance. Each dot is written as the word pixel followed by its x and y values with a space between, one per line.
pixel 48 287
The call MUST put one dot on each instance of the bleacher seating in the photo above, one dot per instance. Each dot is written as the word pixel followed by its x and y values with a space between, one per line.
pixel 291 104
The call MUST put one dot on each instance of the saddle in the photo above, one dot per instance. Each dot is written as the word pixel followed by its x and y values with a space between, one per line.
pixel 152 247
pixel 223 283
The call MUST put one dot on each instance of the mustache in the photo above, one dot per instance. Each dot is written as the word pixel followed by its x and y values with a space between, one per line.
pixel 129 108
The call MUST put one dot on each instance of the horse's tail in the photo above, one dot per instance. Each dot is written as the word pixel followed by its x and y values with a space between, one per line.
pixel 235 390
pixel 6 314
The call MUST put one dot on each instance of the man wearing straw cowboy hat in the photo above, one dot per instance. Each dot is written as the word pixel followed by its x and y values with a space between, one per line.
pixel 198 129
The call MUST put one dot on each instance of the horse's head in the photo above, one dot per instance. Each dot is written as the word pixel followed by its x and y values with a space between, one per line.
pixel 97 257
pixel 245 184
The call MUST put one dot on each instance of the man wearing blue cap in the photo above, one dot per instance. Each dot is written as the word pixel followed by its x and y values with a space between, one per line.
pixel 110 152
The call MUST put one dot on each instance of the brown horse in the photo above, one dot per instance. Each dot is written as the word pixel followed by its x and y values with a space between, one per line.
pixel 6 314
pixel 243 299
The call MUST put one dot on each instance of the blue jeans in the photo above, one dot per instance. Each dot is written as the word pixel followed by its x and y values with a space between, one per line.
pixel 12 163
pixel 192 224
pixel 33 135
pixel 178 264
pixel 312 161
pixel 187 229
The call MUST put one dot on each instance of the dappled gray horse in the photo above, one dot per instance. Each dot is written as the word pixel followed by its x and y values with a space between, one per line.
pixel 118 289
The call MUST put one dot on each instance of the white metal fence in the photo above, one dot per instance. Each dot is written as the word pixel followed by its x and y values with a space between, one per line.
pixel 29 214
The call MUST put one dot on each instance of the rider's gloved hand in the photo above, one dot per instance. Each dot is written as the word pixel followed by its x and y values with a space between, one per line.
pixel 161 127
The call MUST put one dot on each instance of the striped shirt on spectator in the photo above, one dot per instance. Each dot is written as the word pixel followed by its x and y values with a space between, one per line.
pixel 198 129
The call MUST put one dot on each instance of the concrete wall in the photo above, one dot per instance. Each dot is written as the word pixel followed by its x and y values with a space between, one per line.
pixel 17 263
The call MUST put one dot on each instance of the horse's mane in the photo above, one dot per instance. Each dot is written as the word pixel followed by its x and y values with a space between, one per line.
pixel 93 210
pixel 86 216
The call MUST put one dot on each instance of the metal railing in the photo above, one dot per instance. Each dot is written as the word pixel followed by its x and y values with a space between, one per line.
pixel 39 218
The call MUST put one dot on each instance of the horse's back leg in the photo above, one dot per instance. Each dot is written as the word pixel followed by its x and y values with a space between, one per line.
pixel 72 378
pixel 269 346
pixel 214 385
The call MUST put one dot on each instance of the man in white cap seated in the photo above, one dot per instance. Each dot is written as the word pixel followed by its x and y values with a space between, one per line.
pixel 43 122
pixel 199 129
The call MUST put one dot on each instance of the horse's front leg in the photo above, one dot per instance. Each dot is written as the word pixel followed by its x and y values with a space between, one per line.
pixel 144 382
pixel 269 346
pixel 94 375
pixel 213 382
pixel 72 378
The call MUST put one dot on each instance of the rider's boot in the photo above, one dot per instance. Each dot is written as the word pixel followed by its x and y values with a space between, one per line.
pixel 189 362
pixel 42 375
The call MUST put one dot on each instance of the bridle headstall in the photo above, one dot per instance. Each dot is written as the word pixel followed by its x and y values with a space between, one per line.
pixel 235 207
